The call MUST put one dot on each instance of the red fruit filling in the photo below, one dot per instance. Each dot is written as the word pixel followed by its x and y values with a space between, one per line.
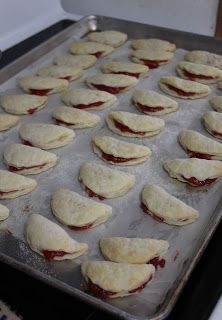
pixel 217 134
pixel 68 78
pixel 124 128
pixel 58 122
pixel 145 109
pixel 140 288
pixel 2 193
pixel 132 74
pixel 154 215
pixel 98 54
pixel 111 158
pixel 50 255
pixel 15 169
pixel 193 77
pixel 82 228
pixel 40 92
pixel 92 194
pixel 87 106
pixel 193 154
pixel 157 262
pixel 98 291
pixel 194 181
pixel 181 92
pixel 152 64
pixel 113 90
pixel 27 143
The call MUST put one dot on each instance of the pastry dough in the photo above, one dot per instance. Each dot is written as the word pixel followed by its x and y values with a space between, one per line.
pixel 204 57
pixel 120 152
pixel 199 72
pixel 112 83
pixel 4 212
pixel 51 241
pixel 127 68
pixel 220 85
pixel 184 89
pixel 153 103
pixel 216 103
pixel 83 61
pixel 151 44
pixel 133 125
pixel 196 172
pixel 164 207
pixel 107 279
pixel 28 160
pixel 7 121
pixel 199 146
pixel 61 72
pixel 77 212
pixel 14 185
pixel 75 118
pixel 153 58
pixel 45 136
pixel 94 48
pixel 42 86
pixel 133 250
pixel 23 103
pixel 102 182
pixel 110 37
pixel 88 99
pixel 213 123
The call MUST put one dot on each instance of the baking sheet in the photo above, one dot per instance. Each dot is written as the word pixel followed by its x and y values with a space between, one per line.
pixel 128 219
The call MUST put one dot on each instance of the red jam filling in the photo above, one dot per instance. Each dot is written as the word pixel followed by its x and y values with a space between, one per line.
pixel 58 122
pixel 98 291
pixel 152 64
pixel 193 76
pixel 215 133
pixel 145 109
pixel 87 106
pixel 154 215
pixel 68 78
pixel 98 54
pixel 92 194
pixel 113 90
pixel 111 158
pixel 15 169
pixel 157 262
pixel 32 110
pixel 82 228
pixel 40 92
pixel 27 143
pixel 50 255
pixel 124 128
pixel 140 288
pixel 193 154
pixel 2 193
pixel 132 74
pixel 194 181
pixel 181 92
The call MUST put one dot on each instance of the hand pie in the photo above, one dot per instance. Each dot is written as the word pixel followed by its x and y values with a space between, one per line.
pixel 134 250
pixel 195 172
pixel 204 57
pixel 94 48
pixel 7 121
pixel 50 240
pixel 120 152
pixel 213 123
pixel 60 72
pixel 216 103
pixel 107 279
pixel 75 118
pixel 77 212
pixel 220 85
pixel 14 185
pixel 88 99
pixel 110 37
pixel 153 103
pixel 28 160
pixel 104 183
pixel 133 125
pixel 184 89
pixel 152 58
pixel 199 72
pixel 4 212
pixel 45 136
pixel 150 44
pixel 112 83
pixel 199 146
pixel 164 207
pixel 126 68
pixel 23 103
pixel 83 61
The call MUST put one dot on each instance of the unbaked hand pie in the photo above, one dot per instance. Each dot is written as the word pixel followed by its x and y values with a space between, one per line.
pixel 219 85
pixel 94 48
pixel 119 152
pixel 127 68
pixel 50 240
pixel 4 212
pixel 110 37
pixel 213 123
pixel 150 44
pixel 7 121
pixel 77 212
pixel 60 72
pixel 153 103
pixel 83 61
pixel 195 172
pixel 153 58
pixel 106 279
pixel 45 136
pixel 133 125
pixel 185 89
pixel 104 183
pixel 88 99
pixel 14 185
pixel 204 57
pixel 112 83
pixel 28 160
pixel 216 103
pixel 134 250
pixel 74 118
pixel 199 146
pixel 199 72
pixel 23 103
pixel 164 207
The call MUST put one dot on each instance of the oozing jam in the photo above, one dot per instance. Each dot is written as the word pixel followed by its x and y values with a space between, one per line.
pixel 193 154
pixel 27 143
pixel 181 92
pixel 124 128
pixel 152 64
pixel 82 228
pixel 140 288
pixel 98 54
pixel 145 109
pixel 217 134
pixel 154 215
pixel 32 110
pixel 2 193
pixel 194 181
pixel 114 159
pixel 92 194
pixel 50 255
pixel 113 90
pixel 68 78
pixel 132 74
pixel 15 169
pixel 87 106
pixel 192 76
pixel 58 122
pixel 98 291
pixel 40 92
pixel 157 262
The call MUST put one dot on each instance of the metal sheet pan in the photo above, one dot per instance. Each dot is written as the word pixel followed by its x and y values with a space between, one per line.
pixel 156 301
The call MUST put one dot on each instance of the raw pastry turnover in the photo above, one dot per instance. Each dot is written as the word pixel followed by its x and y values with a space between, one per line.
pixel 153 58
pixel 45 136
pixel 94 48
pixel 220 85
pixel 153 103
pixel 119 152
pixel 107 279
pixel 50 240
pixel 110 37
pixel 77 212
pixel 83 61
pixel 216 103
pixel 204 57
pixel 104 183
pixel 7 121
pixel 4 212
pixel 133 125
pixel 184 89
pixel 164 207
pixel 28 160
pixel 126 68
pixel 150 44
pixel 213 123
pixel 61 72
pixel 195 172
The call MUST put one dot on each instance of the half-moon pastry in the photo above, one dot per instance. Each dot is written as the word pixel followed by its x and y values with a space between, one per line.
pixel 153 58
pixel 89 47
pixel 216 103
pixel 204 57
pixel 110 37
pixel 8 121
pixel 213 123
pixel 82 61
pixel 4 212
pixel 150 44
pixel 126 68
pixel 60 72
